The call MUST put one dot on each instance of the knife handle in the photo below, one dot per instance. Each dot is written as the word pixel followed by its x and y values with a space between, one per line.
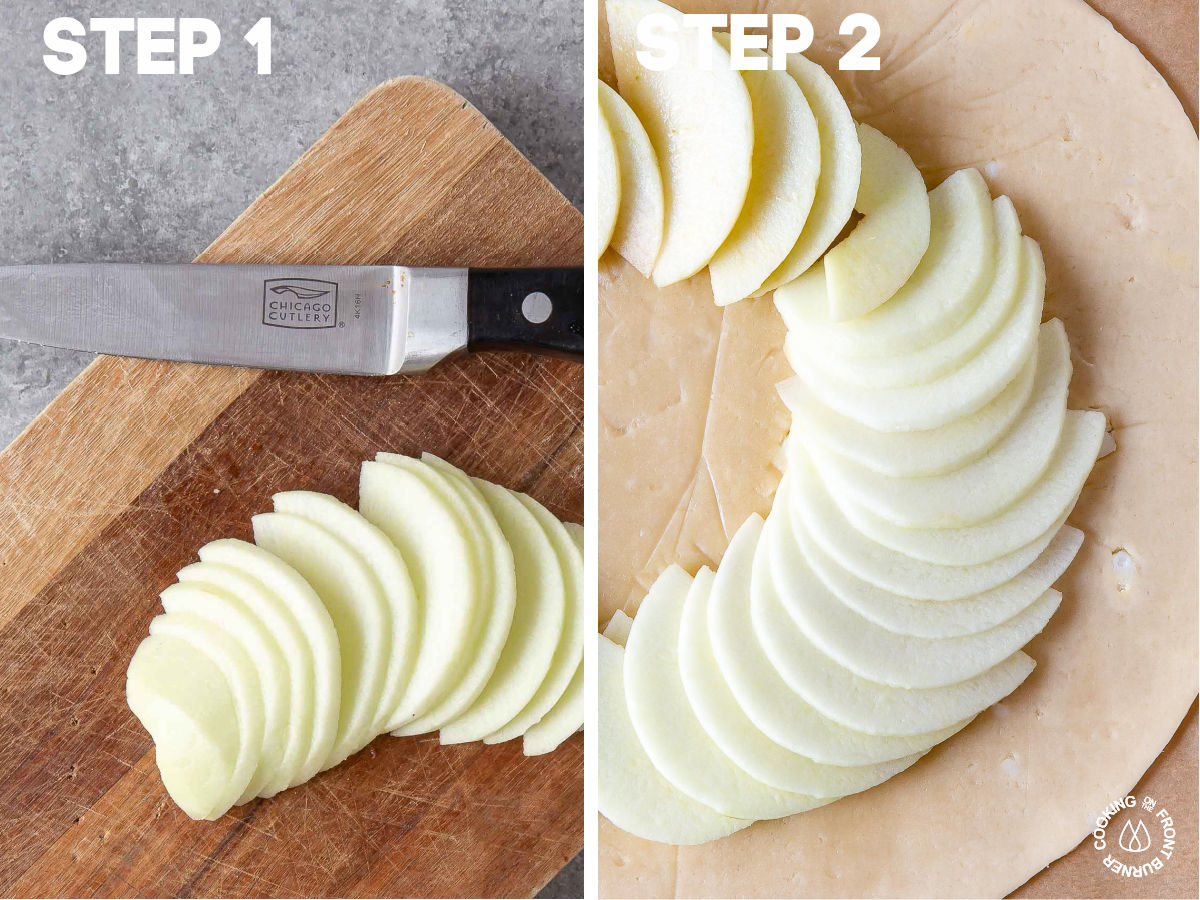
pixel 531 310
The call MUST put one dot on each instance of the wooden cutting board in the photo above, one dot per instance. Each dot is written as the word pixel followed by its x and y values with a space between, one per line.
pixel 136 464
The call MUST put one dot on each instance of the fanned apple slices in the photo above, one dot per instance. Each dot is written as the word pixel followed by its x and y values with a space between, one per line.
pixel 444 602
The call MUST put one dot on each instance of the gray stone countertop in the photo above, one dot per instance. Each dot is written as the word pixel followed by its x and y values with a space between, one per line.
pixel 142 168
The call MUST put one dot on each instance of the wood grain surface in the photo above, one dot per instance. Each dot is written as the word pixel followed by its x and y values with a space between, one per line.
pixel 121 479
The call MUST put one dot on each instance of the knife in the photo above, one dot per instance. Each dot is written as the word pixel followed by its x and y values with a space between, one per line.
pixel 361 320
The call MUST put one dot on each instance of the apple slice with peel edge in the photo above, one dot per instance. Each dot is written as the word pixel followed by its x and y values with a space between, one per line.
pixel 941 618
pixel 768 701
pixel 356 605
pixel 914 454
pixel 564 719
pixel 948 283
pixel 277 618
pixel 390 573
pixel 182 698
pixel 632 794
pixel 413 509
pixel 570 644
pixel 608 189
pixel 814 511
pixel 227 612
pixel 837 182
pixel 726 723
pixel 638 231
pixel 668 729
pixel 321 637
pixel 618 627
pixel 537 622
pixel 497 595
pixel 801 600
pixel 933 360
pixel 869 265
pixel 783 180
pixel 1046 503
pixel 980 490
pixel 241 678
pixel 698 116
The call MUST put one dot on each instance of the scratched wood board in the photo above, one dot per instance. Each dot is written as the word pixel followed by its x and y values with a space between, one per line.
pixel 118 482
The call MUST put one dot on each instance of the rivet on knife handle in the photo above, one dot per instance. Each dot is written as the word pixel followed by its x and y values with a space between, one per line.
pixel 532 310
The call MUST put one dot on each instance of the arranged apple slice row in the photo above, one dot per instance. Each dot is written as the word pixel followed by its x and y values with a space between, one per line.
pixel 444 602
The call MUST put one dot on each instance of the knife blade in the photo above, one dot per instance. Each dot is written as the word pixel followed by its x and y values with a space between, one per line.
pixel 361 320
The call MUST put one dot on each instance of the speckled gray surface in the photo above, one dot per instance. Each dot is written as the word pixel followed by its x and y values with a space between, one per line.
pixel 129 168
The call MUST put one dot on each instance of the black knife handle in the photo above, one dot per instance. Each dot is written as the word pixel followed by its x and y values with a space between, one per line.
pixel 532 310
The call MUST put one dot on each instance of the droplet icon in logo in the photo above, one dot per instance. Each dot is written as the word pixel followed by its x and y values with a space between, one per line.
pixel 1135 839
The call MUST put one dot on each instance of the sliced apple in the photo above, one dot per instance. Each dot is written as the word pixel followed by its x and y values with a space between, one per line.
pixel 783 180
pixel 230 586
pixel 241 678
pixel 979 490
pixel 667 728
pixel 608 189
pixel 314 621
pixel 739 738
pixel 569 651
pixel 537 622
pixel 777 710
pixel 946 286
pixel 798 599
pixel 564 719
pixel 632 794
pixel 814 511
pixel 698 116
pixel 618 627
pixel 224 611
pixel 390 572
pixel 941 618
pixel 181 697
pixel 414 510
pixel 638 231
pixel 841 169
pixel 356 605
pixel 870 264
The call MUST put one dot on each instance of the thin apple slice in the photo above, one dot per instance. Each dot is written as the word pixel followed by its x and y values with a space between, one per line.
pixel 740 739
pixel 618 627
pixel 564 719
pixel 698 116
pixel 1046 503
pixel 415 511
pixel 569 651
pixel 356 605
pixel 915 454
pixel 870 264
pixel 841 170
pixel 978 491
pixel 638 232
pixel 814 511
pixel 321 637
pixel 182 698
pixel 632 794
pixel 777 710
pixel 783 181
pixel 390 573
pixel 537 622
pixel 800 600
pixel 241 678
pixel 608 189
pixel 225 611
pixel 941 618
pixel 946 286
pixel 931 361
pixel 668 729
